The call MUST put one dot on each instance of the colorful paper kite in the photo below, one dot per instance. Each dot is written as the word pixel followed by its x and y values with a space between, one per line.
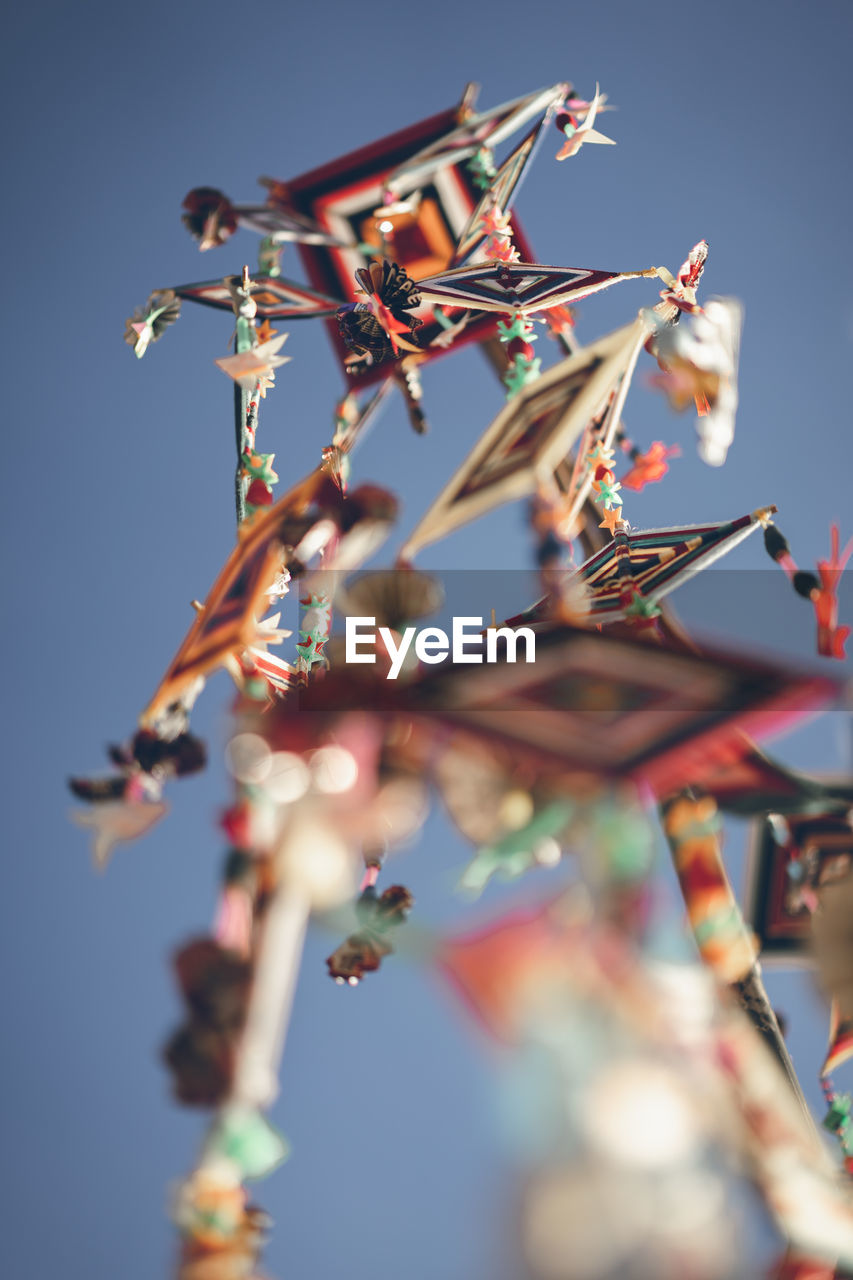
pixel 530 437
pixel 342 199
pixel 519 286
pixel 648 564
pixel 274 297
pixel 611 707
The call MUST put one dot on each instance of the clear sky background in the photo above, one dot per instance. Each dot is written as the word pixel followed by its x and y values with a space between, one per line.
pixel 733 125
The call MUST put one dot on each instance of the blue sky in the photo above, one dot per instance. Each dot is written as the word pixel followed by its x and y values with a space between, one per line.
pixel 733 126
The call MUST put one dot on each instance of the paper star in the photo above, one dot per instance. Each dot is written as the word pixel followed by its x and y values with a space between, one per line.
pixel 607 492
pixel 495 223
pixel 259 467
pixel 311 650
pixel 482 168
pixel 520 373
pixel 599 456
pixel 281 585
pixel 518 850
pixel 265 332
pixel 269 632
pixel 115 821
pixel 498 245
pixel 642 608
pixel 501 249
pixel 518 326
pixel 256 367
pixel 265 382
pixel 612 517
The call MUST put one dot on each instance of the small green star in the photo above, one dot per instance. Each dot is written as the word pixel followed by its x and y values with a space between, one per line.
pixel 641 607
pixel 311 650
pixel 517 327
pixel 519 374
pixel 607 494
pixel 313 601
pixel 259 466
pixel 482 168
pixel 599 455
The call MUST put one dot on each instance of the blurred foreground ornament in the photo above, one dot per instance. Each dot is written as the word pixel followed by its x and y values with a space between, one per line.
pixel 363 952
pixel 792 856
pixel 116 821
